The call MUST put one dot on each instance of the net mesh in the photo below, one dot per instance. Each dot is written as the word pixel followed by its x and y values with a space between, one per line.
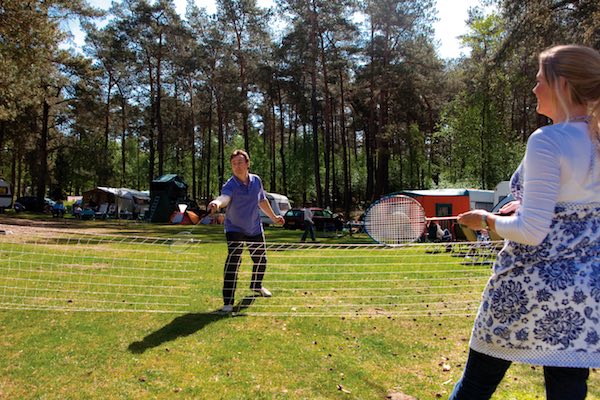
pixel 395 220
pixel 59 271
pixel 85 273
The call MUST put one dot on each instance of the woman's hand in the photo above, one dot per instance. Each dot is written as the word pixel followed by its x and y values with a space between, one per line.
pixel 510 208
pixel 473 219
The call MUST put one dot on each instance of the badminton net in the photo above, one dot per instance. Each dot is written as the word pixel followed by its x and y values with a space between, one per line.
pixel 137 274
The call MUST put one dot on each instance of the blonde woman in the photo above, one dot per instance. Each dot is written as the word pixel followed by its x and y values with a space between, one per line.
pixel 542 304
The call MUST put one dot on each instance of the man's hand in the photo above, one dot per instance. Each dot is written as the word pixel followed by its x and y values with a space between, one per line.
pixel 279 220
pixel 213 207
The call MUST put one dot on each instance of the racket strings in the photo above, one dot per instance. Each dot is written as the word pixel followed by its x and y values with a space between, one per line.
pixel 395 220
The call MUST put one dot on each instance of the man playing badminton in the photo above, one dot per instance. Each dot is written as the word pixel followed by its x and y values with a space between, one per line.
pixel 243 194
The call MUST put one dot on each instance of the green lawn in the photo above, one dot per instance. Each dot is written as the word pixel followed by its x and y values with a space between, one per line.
pixel 345 322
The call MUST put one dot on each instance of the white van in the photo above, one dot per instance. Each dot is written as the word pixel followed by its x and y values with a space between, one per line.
pixel 5 195
pixel 501 191
pixel 481 199
pixel 279 203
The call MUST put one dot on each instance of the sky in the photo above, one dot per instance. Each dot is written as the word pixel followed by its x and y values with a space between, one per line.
pixel 452 15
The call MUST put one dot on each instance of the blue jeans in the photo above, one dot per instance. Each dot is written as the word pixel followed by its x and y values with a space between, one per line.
pixel 308 229
pixel 483 373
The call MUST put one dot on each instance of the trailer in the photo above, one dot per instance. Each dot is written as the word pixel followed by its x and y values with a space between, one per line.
pixel 6 196
pixel 279 203
pixel 481 199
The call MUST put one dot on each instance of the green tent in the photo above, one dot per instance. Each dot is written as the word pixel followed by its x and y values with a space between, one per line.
pixel 166 192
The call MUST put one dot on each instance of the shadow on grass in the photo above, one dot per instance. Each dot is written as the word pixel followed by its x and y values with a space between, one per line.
pixel 186 325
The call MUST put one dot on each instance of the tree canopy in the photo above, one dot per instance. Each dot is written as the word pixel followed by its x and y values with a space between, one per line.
pixel 337 101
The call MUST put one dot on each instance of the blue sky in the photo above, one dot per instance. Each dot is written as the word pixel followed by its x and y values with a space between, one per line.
pixel 452 15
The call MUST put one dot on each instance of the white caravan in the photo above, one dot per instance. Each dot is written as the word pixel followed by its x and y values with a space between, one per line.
pixel 5 195
pixel 279 203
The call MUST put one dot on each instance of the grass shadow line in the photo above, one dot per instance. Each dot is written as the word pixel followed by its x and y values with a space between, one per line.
pixel 185 325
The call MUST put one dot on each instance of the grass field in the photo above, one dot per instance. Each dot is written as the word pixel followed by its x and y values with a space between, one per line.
pixel 347 320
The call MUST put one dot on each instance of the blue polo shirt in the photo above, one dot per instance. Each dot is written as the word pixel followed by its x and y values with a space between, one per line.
pixel 242 212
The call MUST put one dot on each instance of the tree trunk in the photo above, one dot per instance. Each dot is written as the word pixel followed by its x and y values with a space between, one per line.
pixel 345 158
pixel 43 155
pixel 104 168
pixel 327 124
pixel 383 150
pixel 371 130
pixel 13 169
pixel 2 134
pixel 192 137
pixel 208 196
pixel 123 136
pixel 273 145
pixel 282 140
pixel 159 125
pixel 315 107
pixel 152 130
pixel 221 141
pixel 243 83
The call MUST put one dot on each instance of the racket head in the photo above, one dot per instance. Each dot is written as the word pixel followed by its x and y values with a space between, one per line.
pixel 181 242
pixel 394 220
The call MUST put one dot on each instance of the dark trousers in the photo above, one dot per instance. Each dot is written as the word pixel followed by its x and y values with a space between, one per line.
pixel 258 253
pixel 483 373
pixel 308 229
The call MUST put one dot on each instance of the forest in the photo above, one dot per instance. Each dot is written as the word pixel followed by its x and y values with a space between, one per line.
pixel 337 101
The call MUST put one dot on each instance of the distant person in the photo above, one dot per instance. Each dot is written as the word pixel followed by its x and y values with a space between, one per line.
pixel 77 210
pixel 207 219
pixel 446 236
pixel 434 232
pixel 439 233
pixel 242 194
pixel 58 209
pixel 542 304
pixel 309 224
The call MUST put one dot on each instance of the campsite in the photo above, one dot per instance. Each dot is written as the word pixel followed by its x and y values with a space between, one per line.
pixel 279 199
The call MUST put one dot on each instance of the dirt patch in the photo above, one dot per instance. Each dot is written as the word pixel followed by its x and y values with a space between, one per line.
pixel 22 226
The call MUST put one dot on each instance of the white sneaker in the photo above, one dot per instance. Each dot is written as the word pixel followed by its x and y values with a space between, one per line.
pixel 263 292
pixel 226 309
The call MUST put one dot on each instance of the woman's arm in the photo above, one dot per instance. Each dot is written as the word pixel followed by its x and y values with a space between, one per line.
pixel 541 187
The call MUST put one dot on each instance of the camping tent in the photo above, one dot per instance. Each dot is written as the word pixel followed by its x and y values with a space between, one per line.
pixel 130 201
pixel 127 202
pixel 166 193
pixel 184 218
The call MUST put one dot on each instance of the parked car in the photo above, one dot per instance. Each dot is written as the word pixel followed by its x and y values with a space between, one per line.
pixel 324 220
pixel 29 203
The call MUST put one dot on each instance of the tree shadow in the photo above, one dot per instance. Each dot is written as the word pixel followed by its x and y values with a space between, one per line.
pixel 186 325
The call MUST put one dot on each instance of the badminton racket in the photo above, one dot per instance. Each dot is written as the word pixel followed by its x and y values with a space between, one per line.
pixel 183 240
pixel 396 219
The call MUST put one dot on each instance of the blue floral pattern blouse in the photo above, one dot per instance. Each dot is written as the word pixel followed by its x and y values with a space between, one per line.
pixel 542 303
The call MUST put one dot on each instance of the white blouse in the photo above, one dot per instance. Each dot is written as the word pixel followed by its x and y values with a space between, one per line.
pixel 561 164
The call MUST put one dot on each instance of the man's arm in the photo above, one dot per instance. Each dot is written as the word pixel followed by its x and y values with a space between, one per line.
pixel 266 207
pixel 218 203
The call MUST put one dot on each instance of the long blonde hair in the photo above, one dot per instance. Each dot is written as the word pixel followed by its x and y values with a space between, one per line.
pixel 580 67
